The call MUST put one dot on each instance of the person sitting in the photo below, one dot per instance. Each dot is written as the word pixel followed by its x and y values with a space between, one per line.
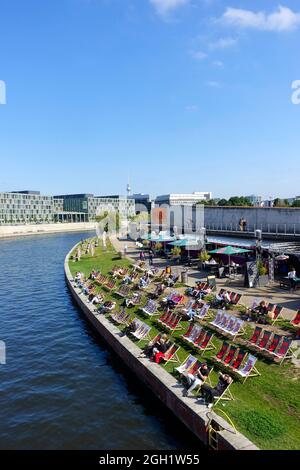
pixel 143 282
pixel 148 350
pixel 131 302
pixel 223 300
pixel 160 349
pixel 292 275
pixel 96 299
pixel 171 280
pixel 197 379
pixel 210 393
pixel 127 280
pixel 203 292
pixel 259 313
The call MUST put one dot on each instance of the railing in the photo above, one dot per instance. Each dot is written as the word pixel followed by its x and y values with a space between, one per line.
pixel 272 229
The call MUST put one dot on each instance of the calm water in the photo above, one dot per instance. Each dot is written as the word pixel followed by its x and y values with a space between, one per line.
pixel 61 388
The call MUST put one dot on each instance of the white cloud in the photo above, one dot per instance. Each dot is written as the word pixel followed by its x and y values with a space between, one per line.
pixel 218 63
pixel 283 19
pixel 163 7
pixel 199 55
pixel 213 84
pixel 222 43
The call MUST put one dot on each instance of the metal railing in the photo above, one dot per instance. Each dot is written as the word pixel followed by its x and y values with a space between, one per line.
pixel 272 229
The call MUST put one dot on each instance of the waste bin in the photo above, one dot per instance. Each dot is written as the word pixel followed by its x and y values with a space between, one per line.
pixel 184 277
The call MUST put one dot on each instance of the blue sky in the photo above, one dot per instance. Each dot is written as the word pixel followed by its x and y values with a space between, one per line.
pixel 178 95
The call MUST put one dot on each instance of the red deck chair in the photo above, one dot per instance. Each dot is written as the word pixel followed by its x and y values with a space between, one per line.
pixel 296 320
pixel 200 338
pixel 231 353
pixel 274 344
pixel 265 339
pixel 164 317
pixel 284 349
pixel 276 313
pixel 187 334
pixel 174 323
pixel 221 354
pixel 236 299
pixel 170 320
pixel 205 345
pixel 239 359
pixel 256 335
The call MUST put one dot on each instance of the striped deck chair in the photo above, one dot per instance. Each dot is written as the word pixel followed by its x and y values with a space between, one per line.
pixel 121 317
pixel 274 343
pixel 200 336
pixel 248 369
pixel 165 316
pixel 284 350
pixel 230 355
pixel 102 279
pixel 230 324
pixel 194 335
pixel 221 354
pixel 108 306
pixel 296 321
pixel 187 364
pixel 256 336
pixel 174 324
pixel 276 313
pixel 143 333
pixel 171 355
pixel 236 299
pixel 110 285
pixel 218 318
pixel 262 344
pixel 237 328
pixel 226 396
pixel 136 299
pixel 134 326
pixel 187 334
pixel 123 291
pixel 203 312
pixel 190 304
pixel 206 344
pixel 238 361
pixel 150 308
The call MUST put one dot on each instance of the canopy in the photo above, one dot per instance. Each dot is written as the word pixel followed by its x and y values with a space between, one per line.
pixel 158 238
pixel 186 243
pixel 229 251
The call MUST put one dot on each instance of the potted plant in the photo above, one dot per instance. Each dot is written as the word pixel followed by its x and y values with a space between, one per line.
pixel 203 257
pixel 158 247
pixel 263 274
pixel 176 252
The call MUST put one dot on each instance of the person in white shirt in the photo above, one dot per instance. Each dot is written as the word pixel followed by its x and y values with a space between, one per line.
pixel 292 275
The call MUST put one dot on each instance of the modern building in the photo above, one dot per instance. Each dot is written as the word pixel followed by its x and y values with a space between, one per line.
pixel 182 199
pixel 91 206
pixel 143 202
pixel 256 200
pixel 25 207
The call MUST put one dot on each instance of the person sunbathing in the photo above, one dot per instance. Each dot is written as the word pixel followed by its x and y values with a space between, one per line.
pixel 197 379
pixel 210 393
pixel 160 349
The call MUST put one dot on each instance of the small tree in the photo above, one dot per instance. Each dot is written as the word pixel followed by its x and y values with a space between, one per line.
pixel 158 246
pixel 204 256
pixel 176 251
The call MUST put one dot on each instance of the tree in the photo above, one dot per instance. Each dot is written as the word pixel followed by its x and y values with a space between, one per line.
pixel 296 203
pixel 223 202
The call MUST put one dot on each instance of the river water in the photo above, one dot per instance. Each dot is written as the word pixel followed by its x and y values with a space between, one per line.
pixel 61 388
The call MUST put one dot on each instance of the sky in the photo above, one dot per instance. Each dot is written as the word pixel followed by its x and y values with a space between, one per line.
pixel 172 95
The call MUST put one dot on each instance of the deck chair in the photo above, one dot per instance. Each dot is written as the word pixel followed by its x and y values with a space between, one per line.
pixel 224 322
pixel 236 299
pixel 230 355
pixel 187 334
pixel 296 321
pixel 108 306
pixel 171 355
pixel 237 329
pixel 256 335
pixel 196 335
pixel 248 369
pixel 236 364
pixel 174 324
pixel 274 343
pixel 123 291
pixel 226 396
pixel 150 309
pixel 143 333
pixel 186 365
pixel 165 316
pixel 277 311
pixel 110 285
pixel 218 318
pixel 284 350
pixel 203 312
pixel 221 354
pixel 262 344
pixel 231 323
pixel 206 344
pixel 136 299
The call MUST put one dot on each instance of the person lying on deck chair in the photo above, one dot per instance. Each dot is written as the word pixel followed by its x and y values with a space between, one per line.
pixel 197 379
pixel 171 280
pixel 160 349
pixel 223 300
pixel 210 393
pixel 127 280
pixel 154 344
pixel 96 300
pixel 130 302
pixel 203 292
pixel 259 313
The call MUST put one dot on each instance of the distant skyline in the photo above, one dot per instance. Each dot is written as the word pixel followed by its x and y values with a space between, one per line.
pixel 175 95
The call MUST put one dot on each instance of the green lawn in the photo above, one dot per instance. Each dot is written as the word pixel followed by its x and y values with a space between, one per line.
pixel 266 409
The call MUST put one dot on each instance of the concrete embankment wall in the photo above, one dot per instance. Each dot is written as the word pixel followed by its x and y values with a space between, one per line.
pixel 7 231
pixel 276 219
pixel 194 416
